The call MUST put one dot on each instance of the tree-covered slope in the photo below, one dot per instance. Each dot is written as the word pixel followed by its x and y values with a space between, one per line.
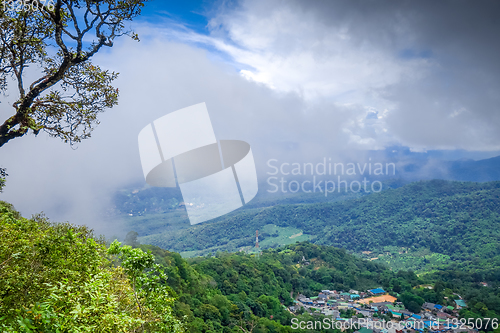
pixel 459 220
pixel 60 278
pixel 231 289
pixel 237 289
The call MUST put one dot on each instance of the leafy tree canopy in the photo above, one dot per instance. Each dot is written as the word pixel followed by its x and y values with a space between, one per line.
pixel 60 38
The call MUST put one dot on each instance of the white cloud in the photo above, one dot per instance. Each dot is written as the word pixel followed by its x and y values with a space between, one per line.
pixel 158 76
pixel 292 51
pixel 434 77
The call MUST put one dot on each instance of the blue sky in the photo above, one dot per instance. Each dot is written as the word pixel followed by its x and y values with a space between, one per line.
pixel 191 13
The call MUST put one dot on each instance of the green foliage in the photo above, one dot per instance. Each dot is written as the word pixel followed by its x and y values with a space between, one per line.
pixel 94 305
pixel 412 302
pixel 59 278
pixel 151 293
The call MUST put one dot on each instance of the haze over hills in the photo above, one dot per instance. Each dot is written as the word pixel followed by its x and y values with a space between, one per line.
pixel 409 167
pixel 461 170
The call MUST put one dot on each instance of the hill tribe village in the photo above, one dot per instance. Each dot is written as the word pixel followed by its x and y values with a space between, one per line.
pixel 375 311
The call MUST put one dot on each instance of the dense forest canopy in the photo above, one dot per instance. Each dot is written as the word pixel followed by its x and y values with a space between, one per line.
pixel 421 226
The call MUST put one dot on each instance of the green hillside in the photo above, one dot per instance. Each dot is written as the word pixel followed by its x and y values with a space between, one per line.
pixel 62 278
pixel 422 225
pixel 214 293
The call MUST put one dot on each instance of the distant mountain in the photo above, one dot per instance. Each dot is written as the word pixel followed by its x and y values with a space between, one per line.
pixel 410 167
pixel 477 171
pixel 459 170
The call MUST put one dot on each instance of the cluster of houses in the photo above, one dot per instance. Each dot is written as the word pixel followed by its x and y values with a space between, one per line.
pixel 375 304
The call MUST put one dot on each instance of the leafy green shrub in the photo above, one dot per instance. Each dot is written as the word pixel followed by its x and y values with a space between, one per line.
pixel 61 278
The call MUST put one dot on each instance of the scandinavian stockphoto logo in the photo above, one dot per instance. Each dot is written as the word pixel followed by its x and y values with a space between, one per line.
pixel 215 177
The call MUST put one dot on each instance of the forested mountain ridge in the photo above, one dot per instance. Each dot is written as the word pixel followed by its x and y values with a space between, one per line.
pixel 459 221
